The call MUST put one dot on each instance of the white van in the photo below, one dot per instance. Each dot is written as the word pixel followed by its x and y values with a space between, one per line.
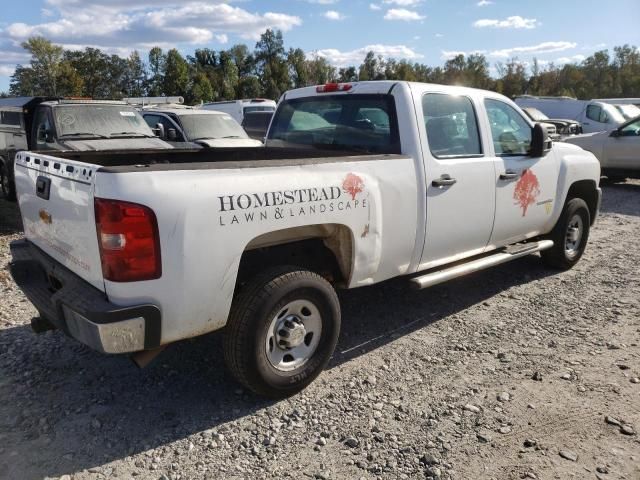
pixel 237 108
pixel 595 116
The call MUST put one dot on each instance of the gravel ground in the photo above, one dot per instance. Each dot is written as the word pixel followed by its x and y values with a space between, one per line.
pixel 516 372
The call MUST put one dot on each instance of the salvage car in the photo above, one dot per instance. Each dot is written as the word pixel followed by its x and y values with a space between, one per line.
pixel 564 127
pixel 51 123
pixel 617 150
pixel 358 183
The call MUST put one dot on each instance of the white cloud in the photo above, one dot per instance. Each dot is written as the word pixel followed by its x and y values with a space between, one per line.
pixel 510 22
pixel 484 3
pixel 439 35
pixel 354 57
pixel 7 70
pixel 123 23
pixel 324 2
pixel 333 15
pixel 403 3
pixel 374 6
pixel 449 54
pixel 573 59
pixel 541 48
pixel 403 14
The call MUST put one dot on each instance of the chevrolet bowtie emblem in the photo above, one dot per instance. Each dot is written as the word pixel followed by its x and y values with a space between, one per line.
pixel 45 217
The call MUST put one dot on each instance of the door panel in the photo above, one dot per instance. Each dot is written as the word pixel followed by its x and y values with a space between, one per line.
pixel 459 178
pixel 525 186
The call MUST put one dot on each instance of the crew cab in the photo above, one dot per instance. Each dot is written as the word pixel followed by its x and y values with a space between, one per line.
pixel 358 183
pixel 51 123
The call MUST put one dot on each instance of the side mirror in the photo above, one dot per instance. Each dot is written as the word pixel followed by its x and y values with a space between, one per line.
pixel 615 133
pixel 172 135
pixel 540 142
pixel 49 136
pixel 159 131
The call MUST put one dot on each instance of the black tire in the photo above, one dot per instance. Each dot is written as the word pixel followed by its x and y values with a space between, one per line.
pixel 560 255
pixel 7 186
pixel 259 304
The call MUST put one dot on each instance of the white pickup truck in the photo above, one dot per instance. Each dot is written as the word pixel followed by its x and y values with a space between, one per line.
pixel 358 183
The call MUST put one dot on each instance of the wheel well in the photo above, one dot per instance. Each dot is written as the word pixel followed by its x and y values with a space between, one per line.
pixel 586 190
pixel 323 249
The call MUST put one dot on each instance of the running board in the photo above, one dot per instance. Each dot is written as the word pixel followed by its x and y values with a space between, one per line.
pixel 506 255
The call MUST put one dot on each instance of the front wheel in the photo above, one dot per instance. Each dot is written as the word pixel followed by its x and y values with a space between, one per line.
pixel 282 330
pixel 570 235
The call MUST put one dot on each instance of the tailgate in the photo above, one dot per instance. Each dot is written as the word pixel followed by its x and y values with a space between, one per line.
pixel 56 203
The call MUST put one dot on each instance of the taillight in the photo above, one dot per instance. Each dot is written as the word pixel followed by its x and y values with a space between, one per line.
pixel 333 87
pixel 128 240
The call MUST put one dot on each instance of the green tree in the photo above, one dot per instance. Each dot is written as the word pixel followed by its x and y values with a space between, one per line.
pixel 157 66
pixel 176 74
pixel 271 64
pixel 201 90
pixel 45 63
pixel 298 71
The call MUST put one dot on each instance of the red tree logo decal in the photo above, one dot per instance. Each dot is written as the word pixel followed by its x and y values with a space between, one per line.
pixel 527 190
pixel 353 185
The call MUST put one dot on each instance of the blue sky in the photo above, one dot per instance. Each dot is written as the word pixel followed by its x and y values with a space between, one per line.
pixel 428 31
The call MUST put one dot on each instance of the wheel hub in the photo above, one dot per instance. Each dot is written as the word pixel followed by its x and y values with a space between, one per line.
pixel 290 332
pixel 573 234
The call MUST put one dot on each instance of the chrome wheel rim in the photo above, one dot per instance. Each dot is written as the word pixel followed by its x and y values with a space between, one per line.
pixel 573 236
pixel 293 335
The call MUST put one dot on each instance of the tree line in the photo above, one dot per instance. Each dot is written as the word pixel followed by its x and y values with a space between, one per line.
pixel 269 69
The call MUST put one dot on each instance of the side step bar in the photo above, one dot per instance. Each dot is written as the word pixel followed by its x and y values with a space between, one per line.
pixel 503 256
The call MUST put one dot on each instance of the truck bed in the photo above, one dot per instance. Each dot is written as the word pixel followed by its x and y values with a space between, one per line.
pixel 188 159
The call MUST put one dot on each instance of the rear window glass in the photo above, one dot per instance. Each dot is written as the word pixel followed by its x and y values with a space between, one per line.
pixel 10 118
pixel 351 122
pixel 259 109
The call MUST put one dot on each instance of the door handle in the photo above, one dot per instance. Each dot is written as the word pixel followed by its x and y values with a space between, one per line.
pixel 445 180
pixel 509 175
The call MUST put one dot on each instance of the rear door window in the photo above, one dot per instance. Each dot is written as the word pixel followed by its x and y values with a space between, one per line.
pixel 452 126
pixel 366 123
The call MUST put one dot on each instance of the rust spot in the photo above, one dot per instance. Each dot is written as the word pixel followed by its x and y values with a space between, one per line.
pixel 45 216
pixel 366 231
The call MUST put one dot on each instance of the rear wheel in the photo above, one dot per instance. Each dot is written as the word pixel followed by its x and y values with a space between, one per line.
pixel 282 331
pixel 570 235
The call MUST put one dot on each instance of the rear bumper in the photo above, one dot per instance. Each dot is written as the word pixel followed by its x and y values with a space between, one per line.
pixel 78 308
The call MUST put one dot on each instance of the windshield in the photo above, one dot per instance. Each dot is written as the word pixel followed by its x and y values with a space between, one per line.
pixel 352 122
pixel 201 127
pixel 614 115
pixel 92 120
pixel 536 115
pixel 628 111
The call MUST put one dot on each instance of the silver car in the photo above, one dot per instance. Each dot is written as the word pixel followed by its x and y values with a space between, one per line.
pixel 617 150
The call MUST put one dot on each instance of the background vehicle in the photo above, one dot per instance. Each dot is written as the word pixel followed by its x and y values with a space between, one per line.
pixel 256 124
pixel 190 127
pixel 45 123
pixel 238 108
pixel 593 116
pixel 628 111
pixel 617 150
pixel 358 183
pixel 563 127
pixel 619 101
